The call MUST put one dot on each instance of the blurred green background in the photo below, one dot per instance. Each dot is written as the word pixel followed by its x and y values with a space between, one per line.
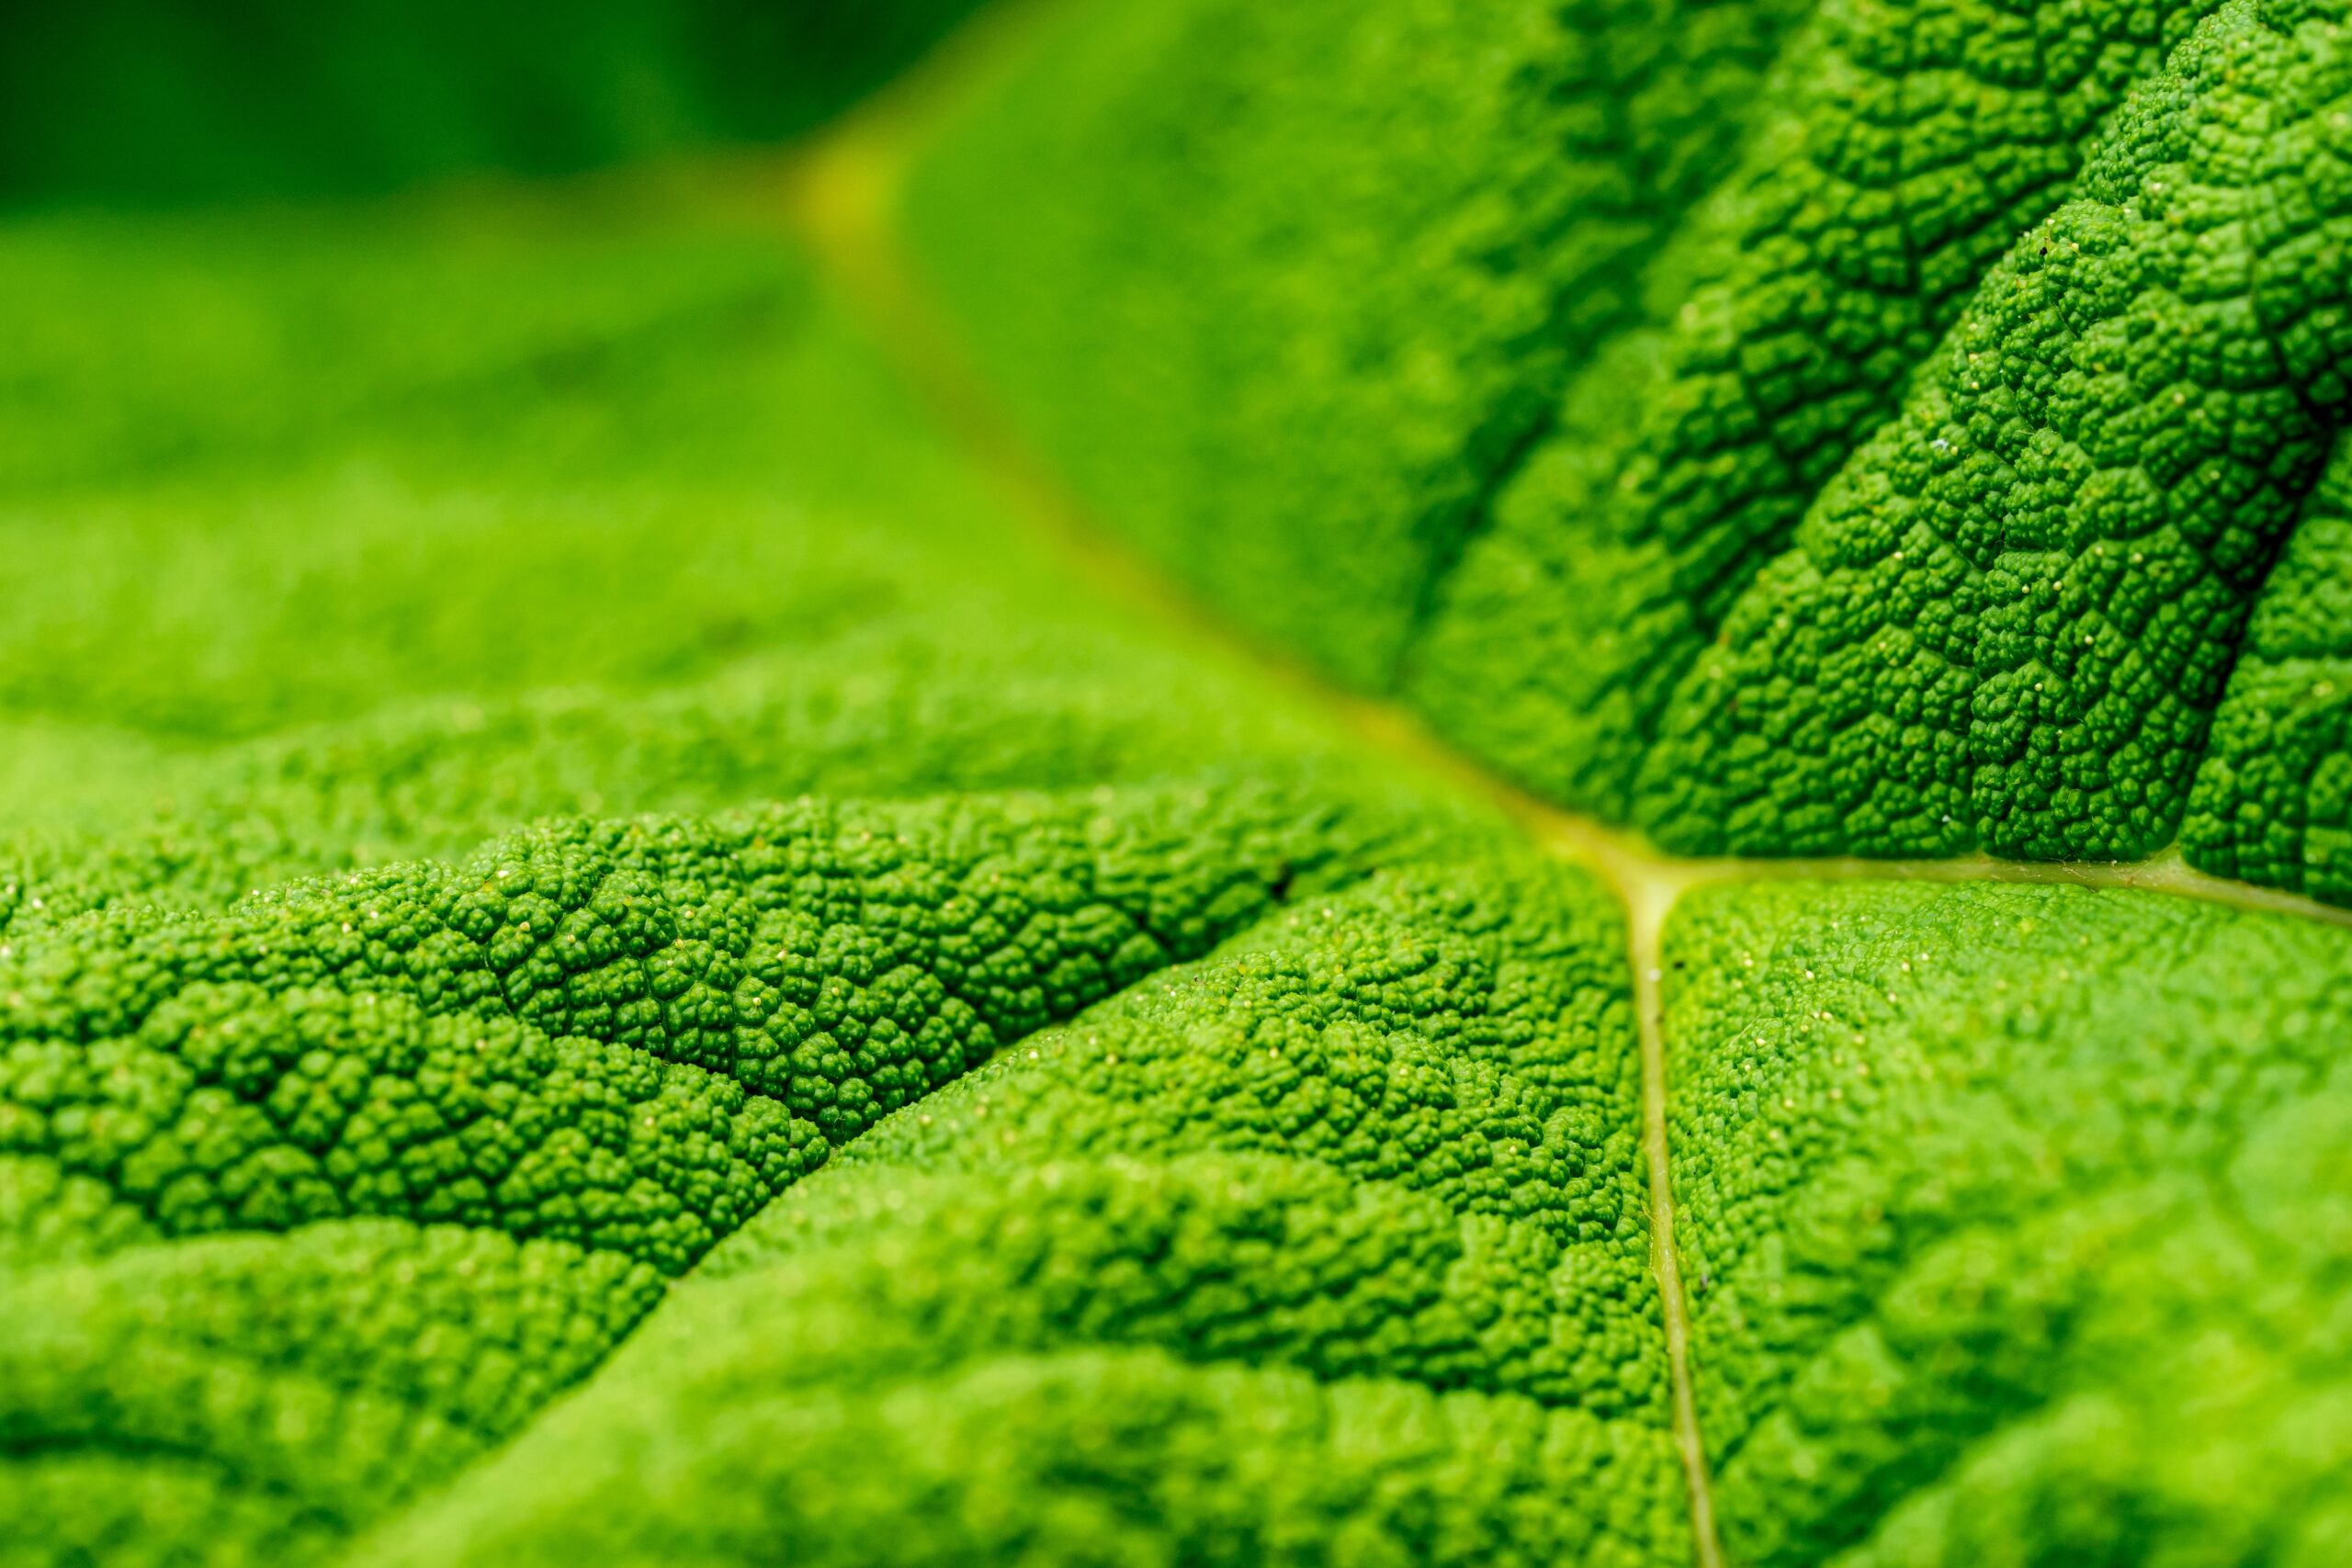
pixel 178 101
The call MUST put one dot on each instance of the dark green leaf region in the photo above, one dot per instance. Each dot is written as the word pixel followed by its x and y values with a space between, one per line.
pixel 630 935
pixel 1875 429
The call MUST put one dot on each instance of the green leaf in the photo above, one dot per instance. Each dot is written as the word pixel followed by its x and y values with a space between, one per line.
pixel 626 935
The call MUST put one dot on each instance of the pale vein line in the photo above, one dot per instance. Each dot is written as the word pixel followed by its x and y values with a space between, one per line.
pixel 841 196
pixel 1648 903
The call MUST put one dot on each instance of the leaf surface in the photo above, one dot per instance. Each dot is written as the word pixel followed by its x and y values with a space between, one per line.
pixel 624 937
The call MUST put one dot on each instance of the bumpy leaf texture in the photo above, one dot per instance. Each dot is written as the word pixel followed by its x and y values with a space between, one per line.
pixel 608 956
